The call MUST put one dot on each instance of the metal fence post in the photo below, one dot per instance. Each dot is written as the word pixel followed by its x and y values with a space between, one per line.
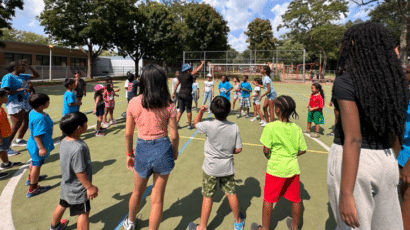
pixel 183 58
pixel 304 68
pixel 204 63
pixel 42 73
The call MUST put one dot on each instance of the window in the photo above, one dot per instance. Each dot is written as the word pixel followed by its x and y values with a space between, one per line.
pixel 59 61
pixel 42 60
pixel 77 61
pixel 9 57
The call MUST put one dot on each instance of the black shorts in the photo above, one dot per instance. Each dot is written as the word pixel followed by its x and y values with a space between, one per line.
pixel 185 102
pixel 100 110
pixel 76 209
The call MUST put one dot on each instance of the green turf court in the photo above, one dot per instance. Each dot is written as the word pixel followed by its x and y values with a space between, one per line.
pixel 183 196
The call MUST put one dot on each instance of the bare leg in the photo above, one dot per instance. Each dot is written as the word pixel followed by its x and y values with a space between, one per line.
pixel 24 125
pixel 405 204
pixel 233 202
pixel 16 122
pixel 296 211
pixel 4 158
pixel 254 111
pixel 157 200
pixel 57 215
pixel 271 109
pixel 99 119
pixel 189 116
pixel 82 222
pixel 105 115
pixel 112 114
pixel 317 128
pixel 258 108
pixel 135 200
pixel 266 215
pixel 34 174
pixel 265 110
pixel 247 111
pixel 309 125
pixel 205 212
pixel 233 103
pixel 178 117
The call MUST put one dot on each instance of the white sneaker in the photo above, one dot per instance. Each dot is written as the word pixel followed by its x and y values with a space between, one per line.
pixel 263 124
pixel 128 225
pixel 247 116
pixel 238 116
pixel 20 143
pixel 243 113
pixel 254 119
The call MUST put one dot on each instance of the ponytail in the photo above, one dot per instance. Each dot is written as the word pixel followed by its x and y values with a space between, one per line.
pixel 319 87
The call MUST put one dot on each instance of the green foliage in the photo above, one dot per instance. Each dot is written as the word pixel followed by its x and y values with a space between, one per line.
pixel 23 36
pixel 7 12
pixel 108 53
pixel 260 35
pixel 386 14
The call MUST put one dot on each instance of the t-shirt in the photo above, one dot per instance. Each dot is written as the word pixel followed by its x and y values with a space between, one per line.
pixel 133 89
pixel 267 81
pixel 70 97
pixel 79 90
pixel 126 86
pixel 222 138
pixel 174 82
pixel 224 87
pixel 186 80
pixel 208 86
pixel 316 101
pixel 195 87
pixel 257 92
pixel 245 85
pixel 284 139
pixel 404 154
pixel 5 129
pixel 40 124
pixel 74 158
pixel 343 89
pixel 14 83
pixel 151 123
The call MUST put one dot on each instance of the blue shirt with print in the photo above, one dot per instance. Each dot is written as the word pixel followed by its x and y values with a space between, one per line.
pixel 40 124
pixel 69 97
pixel 14 83
pixel 267 81
pixel 404 154
pixel 224 87
pixel 246 85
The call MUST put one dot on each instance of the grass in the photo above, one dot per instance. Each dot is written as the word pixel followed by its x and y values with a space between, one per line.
pixel 183 195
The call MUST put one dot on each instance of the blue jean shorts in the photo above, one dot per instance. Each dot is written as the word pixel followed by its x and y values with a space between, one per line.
pixel 271 96
pixel 154 156
pixel 15 106
pixel 6 144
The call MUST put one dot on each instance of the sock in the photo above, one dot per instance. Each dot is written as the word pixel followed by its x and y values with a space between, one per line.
pixel 32 187
pixel 18 139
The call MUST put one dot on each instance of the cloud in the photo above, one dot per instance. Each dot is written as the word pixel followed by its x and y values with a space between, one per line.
pixel 31 9
pixel 238 43
pixel 361 14
pixel 279 10
pixel 32 23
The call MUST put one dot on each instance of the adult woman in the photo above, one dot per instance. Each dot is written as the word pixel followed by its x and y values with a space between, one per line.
pixel 15 82
pixel 270 94
pixel 371 94
pixel 185 93
pixel 81 90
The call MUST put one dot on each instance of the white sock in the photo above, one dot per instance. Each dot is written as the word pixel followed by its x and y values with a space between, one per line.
pixel 17 139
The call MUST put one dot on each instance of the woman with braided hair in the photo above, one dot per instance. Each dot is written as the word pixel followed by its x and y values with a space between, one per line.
pixel 371 93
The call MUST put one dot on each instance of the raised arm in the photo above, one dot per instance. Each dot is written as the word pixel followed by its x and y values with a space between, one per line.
pixel 198 69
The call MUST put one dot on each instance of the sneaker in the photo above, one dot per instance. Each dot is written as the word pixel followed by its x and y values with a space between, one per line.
pixel 191 226
pixel 12 153
pixel 253 119
pixel 20 143
pixel 289 223
pixel 128 225
pixel 99 134
pixel 40 178
pixel 124 115
pixel 243 113
pixel 38 191
pixel 315 135
pixel 247 116
pixel 105 125
pixel 190 127
pixel 332 134
pixel 4 175
pixel 10 165
pixel 239 226
pixel 306 131
pixel 263 124
pixel 62 225
pixel 255 226
pixel 238 116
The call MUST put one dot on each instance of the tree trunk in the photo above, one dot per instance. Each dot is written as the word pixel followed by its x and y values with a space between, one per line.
pixel 136 60
pixel 89 66
pixel 322 74
pixel 404 45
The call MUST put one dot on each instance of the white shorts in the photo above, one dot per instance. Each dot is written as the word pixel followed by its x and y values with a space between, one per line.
pixel 237 96
pixel 15 106
pixel 256 101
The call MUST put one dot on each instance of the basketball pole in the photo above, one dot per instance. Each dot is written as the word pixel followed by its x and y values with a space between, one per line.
pixel 304 68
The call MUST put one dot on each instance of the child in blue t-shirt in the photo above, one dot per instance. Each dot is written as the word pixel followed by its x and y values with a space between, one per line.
pixel 225 88
pixel 40 142
pixel 246 90
pixel 70 101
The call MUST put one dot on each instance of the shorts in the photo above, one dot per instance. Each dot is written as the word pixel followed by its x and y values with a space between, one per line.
pixel 6 144
pixel 316 117
pixel 271 96
pixel 195 97
pixel 184 102
pixel 15 107
pixel 76 209
pixel 154 156
pixel 245 102
pixel 110 105
pixel 277 187
pixel 37 163
pixel 226 183
pixel 256 101
pixel 237 96
pixel 100 109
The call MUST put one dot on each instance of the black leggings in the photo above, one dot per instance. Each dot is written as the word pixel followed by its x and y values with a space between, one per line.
pixel 185 102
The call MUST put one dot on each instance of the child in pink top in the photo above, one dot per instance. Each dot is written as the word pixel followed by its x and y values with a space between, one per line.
pixel 109 100
pixel 152 113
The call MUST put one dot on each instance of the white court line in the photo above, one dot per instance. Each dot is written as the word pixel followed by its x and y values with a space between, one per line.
pixel 319 142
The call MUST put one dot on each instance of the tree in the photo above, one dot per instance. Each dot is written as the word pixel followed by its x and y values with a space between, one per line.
pixel 389 17
pixel 311 23
pixel 7 11
pixel 108 53
pixel 24 36
pixel 206 28
pixel 260 35
pixel 80 24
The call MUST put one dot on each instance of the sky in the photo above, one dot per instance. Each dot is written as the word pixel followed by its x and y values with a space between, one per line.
pixel 238 14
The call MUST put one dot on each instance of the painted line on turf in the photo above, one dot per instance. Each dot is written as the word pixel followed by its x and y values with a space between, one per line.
pixel 301 97
pixel 118 227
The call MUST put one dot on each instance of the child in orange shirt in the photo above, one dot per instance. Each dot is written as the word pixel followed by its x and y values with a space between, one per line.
pixel 5 142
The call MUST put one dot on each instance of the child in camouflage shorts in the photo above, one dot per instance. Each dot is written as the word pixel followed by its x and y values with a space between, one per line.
pixel 222 141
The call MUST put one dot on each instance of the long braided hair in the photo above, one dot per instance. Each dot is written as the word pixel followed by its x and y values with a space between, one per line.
pixel 367 55
pixel 287 107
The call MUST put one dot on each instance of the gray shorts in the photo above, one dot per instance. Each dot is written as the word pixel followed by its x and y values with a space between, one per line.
pixel 375 192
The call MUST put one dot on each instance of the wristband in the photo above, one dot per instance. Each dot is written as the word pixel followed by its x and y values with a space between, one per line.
pixel 131 154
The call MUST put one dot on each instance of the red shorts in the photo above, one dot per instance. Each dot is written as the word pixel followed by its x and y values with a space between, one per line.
pixel 276 187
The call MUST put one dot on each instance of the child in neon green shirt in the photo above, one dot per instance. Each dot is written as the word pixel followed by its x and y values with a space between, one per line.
pixel 283 142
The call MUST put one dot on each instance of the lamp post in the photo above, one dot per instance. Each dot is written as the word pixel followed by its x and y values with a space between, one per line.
pixel 51 47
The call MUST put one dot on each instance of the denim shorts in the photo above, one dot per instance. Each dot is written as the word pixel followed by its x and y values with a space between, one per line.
pixel 15 106
pixel 271 96
pixel 154 156
pixel 6 144
pixel 100 109
pixel 37 163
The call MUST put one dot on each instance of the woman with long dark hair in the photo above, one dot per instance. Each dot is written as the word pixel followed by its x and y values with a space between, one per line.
pixel 371 93
pixel 152 112
pixel 15 82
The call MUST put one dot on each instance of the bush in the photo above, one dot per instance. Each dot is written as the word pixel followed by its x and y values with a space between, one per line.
pixel 171 75
pixel 276 77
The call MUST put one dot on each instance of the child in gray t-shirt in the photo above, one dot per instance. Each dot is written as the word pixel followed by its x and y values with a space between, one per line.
pixel 76 172
pixel 222 141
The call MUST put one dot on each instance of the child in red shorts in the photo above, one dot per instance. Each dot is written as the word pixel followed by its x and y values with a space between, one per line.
pixel 283 142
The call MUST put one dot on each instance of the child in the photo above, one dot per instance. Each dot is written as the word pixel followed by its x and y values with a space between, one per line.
pixel 195 92
pixel 109 100
pixel 270 94
pixel 222 141
pixel 30 89
pixel 236 91
pixel 108 79
pixel 225 88
pixel 70 102
pixel 155 153
pixel 283 142
pixel 174 82
pixel 132 87
pixel 5 131
pixel 246 89
pixel 256 102
pixel 80 89
pixel 40 142
pixel 76 174
pixel 208 90
pixel 99 107
pixel 315 107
